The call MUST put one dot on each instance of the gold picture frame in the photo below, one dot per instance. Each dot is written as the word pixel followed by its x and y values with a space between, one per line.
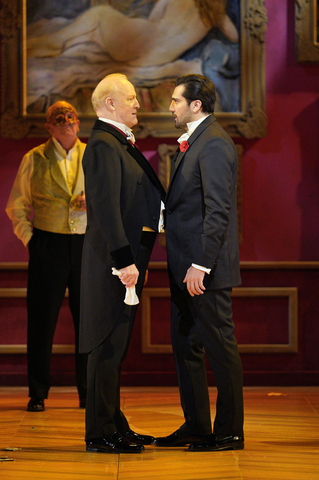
pixel 306 30
pixel 250 122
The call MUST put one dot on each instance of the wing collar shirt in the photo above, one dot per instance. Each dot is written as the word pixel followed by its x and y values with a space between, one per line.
pixel 121 126
pixel 191 127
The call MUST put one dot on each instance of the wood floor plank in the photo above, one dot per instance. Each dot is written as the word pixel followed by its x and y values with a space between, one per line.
pixel 281 438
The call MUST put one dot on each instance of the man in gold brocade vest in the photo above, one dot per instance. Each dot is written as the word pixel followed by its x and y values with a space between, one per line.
pixel 48 212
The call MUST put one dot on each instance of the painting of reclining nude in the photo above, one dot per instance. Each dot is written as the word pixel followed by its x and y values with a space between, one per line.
pixel 72 45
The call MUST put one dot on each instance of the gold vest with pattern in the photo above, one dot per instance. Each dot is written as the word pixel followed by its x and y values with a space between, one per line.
pixel 55 207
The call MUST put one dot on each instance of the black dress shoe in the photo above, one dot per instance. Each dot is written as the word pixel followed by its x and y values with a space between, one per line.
pixel 35 404
pixel 113 444
pixel 177 439
pixel 82 403
pixel 138 438
pixel 215 443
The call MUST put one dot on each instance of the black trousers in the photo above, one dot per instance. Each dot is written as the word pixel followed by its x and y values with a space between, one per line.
pixel 54 264
pixel 103 409
pixel 203 325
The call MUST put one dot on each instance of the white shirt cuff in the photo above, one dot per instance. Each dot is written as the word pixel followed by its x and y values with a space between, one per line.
pixel 203 269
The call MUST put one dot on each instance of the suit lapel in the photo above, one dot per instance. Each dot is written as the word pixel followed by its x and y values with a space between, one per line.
pixel 107 127
pixel 134 152
pixel 201 127
pixel 175 163
pixel 147 167
pixel 179 156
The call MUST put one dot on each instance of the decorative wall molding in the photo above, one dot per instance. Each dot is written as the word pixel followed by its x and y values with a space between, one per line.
pixel 162 292
pixel 244 265
pixel 13 265
pixel 290 292
pixel 277 368
pixel 22 349
pixel 284 265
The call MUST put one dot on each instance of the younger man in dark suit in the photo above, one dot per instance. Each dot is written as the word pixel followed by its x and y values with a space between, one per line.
pixel 123 198
pixel 203 263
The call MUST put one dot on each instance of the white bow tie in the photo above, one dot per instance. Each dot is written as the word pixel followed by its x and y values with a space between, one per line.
pixel 130 136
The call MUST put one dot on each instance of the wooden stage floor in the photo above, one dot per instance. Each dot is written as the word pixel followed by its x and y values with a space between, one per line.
pixel 281 438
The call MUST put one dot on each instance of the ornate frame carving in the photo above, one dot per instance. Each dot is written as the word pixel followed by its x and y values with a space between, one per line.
pixel 307 46
pixel 251 122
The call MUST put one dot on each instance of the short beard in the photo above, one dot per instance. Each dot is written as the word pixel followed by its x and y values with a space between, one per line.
pixel 180 126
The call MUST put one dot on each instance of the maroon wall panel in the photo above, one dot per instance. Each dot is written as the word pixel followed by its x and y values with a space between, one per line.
pixel 259 320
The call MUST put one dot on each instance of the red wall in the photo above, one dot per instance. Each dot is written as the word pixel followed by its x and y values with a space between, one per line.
pixel 280 171
pixel 280 206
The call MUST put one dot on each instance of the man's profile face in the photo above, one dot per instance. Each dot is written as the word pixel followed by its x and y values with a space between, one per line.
pixel 180 109
pixel 126 104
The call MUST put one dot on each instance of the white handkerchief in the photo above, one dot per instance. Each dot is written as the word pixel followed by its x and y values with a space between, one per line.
pixel 130 296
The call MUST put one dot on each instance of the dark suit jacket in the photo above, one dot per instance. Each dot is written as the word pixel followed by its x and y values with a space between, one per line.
pixel 123 195
pixel 201 208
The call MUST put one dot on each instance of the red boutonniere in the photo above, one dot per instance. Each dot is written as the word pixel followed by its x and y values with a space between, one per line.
pixel 184 146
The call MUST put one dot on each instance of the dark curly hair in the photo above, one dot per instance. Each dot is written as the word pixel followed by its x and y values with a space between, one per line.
pixel 198 87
